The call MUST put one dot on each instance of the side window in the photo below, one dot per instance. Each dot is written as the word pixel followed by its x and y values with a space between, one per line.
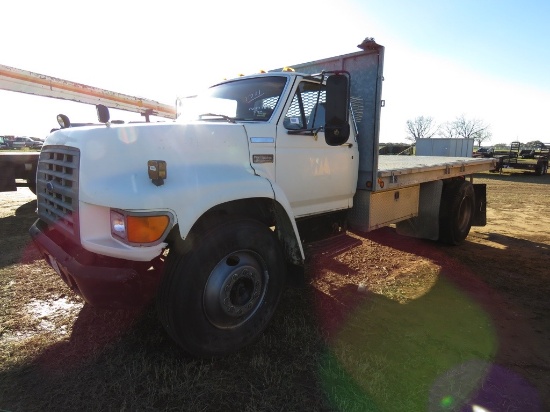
pixel 307 110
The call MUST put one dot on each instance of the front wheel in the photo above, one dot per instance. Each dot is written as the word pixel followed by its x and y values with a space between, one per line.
pixel 220 296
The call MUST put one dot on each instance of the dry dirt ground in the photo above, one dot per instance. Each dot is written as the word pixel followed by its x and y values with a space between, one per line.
pixel 495 287
pixel 483 306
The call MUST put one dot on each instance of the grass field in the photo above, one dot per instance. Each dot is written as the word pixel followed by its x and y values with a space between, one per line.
pixel 395 324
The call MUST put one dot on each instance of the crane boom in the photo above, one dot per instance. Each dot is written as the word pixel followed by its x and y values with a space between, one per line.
pixel 24 81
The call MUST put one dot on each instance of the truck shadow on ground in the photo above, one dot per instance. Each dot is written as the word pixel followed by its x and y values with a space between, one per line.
pixel 18 229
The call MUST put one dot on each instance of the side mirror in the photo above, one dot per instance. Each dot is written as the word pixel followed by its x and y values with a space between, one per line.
pixel 103 115
pixel 337 128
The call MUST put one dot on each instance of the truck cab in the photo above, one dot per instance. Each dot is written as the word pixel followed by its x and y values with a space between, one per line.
pixel 283 116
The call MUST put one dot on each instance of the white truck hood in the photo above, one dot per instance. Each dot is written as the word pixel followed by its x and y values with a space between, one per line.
pixel 113 160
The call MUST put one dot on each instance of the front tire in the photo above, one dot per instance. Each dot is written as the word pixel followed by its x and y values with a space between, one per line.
pixel 456 211
pixel 220 296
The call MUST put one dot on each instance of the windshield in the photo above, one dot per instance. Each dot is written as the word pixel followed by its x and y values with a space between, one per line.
pixel 251 99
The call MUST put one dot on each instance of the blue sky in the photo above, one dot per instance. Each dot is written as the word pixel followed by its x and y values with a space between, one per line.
pixel 483 59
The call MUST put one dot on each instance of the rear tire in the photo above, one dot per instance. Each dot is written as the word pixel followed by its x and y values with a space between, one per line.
pixel 456 211
pixel 541 169
pixel 220 296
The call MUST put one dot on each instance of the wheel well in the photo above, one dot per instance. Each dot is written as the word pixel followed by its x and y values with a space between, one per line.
pixel 265 210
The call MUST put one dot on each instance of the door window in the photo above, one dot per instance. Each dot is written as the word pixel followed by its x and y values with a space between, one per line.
pixel 307 110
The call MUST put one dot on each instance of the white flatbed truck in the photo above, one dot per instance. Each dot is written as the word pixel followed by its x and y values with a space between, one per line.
pixel 207 215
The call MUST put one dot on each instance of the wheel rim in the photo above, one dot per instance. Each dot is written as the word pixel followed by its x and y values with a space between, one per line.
pixel 235 289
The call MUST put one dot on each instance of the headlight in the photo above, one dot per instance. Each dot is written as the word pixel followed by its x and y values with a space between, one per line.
pixel 118 225
pixel 139 228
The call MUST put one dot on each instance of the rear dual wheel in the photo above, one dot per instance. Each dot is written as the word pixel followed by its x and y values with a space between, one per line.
pixel 456 211
pixel 221 295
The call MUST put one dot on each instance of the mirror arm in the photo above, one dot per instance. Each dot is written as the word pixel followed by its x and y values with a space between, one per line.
pixel 306 132
pixel 318 97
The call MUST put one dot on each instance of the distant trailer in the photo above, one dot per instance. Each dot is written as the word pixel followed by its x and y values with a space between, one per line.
pixel 535 159
pixel 15 167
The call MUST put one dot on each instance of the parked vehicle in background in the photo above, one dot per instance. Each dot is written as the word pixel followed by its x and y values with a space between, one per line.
pixel 37 139
pixel 18 167
pixel 534 159
pixel 24 141
pixel 3 143
pixel 484 152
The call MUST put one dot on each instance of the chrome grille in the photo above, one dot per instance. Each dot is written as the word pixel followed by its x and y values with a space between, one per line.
pixel 57 189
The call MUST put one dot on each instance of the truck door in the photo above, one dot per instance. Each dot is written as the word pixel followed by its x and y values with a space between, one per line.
pixel 315 177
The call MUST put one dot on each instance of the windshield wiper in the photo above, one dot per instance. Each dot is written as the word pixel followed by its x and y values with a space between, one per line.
pixel 220 116
pixel 308 132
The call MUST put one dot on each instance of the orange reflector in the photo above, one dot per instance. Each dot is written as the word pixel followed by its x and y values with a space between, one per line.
pixel 146 229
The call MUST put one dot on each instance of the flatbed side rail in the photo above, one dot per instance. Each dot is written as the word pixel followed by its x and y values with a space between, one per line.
pixel 396 171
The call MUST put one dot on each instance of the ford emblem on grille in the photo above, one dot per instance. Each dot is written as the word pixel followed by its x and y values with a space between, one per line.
pixel 49 186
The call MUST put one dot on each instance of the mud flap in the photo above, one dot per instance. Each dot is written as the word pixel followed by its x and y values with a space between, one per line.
pixel 426 224
pixel 480 209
